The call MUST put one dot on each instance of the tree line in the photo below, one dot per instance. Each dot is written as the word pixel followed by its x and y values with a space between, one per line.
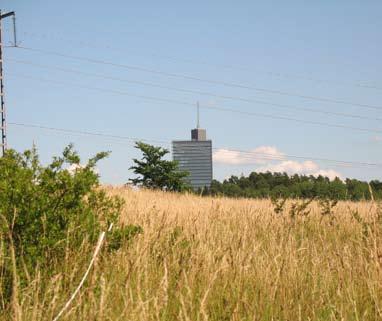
pixel 156 173
pixel 263 185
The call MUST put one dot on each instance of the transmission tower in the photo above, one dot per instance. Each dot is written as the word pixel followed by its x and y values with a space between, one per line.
pixel 2 102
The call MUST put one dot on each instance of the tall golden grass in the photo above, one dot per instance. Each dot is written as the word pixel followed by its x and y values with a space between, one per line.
pixel 222 259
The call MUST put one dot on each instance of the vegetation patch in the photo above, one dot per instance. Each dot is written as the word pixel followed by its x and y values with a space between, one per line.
pixel 49 211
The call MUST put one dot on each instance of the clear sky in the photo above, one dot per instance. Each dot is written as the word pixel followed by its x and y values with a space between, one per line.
pixel 329 49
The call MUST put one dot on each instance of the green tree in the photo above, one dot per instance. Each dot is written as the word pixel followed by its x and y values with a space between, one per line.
pixel 260 185
pixel 337 189
pixel 357 190
pixel 155 172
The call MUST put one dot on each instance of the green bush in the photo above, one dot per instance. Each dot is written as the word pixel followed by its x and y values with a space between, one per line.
pixel 46 210
pixel 123 235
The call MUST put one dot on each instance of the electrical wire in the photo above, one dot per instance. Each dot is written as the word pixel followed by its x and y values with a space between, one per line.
pixel 205 93
pixel 189 77
pixel 282 75
pixel 231 110
pixel 243 153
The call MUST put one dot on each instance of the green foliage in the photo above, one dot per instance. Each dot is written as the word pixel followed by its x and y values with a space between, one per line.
pixel 300 208
pixel 155 172
pixel 278 204
pixel 123 235
pixel 357 190
pixel 47 210
pixel 327 206
pixel 281 185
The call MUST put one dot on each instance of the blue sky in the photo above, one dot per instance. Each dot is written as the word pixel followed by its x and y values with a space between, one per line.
pixel 321 49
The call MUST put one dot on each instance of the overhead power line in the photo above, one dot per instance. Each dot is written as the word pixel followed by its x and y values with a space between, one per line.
pixel 231 110
pixel 244 153
pixel 282 75
pixel 189 77
pixel 183 90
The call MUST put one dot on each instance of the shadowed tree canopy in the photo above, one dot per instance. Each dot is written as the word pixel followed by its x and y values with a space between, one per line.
pixel 154 172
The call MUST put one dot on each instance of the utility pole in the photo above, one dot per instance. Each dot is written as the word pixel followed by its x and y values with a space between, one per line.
pixel 2 103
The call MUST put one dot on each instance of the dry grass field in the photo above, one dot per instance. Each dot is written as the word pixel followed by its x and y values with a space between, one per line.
pixel 223 259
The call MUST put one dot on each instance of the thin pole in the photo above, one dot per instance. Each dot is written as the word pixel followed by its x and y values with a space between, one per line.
pixel 2 103
pixel 14 30
pixel 197 115
pixel 96 251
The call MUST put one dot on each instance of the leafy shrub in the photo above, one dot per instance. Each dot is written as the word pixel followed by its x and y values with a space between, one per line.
pixel 123 235
pixel 278 204
pixel 300 208
pixel 45 210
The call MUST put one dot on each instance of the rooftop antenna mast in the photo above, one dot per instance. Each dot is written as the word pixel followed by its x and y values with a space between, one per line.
pixel 2 102
pixel 197 115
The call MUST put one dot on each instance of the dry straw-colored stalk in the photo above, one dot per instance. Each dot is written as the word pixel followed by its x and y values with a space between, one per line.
pixel 224 259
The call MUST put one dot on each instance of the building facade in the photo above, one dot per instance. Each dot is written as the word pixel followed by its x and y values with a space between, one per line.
pixel 195 156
